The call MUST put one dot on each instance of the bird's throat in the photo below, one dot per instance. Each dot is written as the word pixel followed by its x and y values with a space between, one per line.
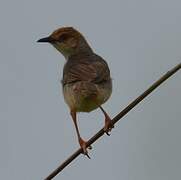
pixel 66 52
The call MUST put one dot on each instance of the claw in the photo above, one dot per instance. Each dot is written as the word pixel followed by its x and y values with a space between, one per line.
pixel 83 145
pixel 87 155
pixel 108 125
pixel 89 147
pixel 107 133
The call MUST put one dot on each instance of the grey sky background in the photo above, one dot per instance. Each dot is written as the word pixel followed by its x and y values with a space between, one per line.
pixel 141 40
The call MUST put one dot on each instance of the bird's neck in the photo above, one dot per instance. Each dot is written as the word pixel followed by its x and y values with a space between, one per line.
pixel 83 47
pixel 82 50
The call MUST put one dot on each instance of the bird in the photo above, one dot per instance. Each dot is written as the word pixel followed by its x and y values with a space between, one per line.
pixel 86 82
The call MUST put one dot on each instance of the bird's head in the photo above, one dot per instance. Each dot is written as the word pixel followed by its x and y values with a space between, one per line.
pixel 68 41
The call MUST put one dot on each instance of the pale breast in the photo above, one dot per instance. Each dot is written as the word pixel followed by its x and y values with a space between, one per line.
pixel 85 96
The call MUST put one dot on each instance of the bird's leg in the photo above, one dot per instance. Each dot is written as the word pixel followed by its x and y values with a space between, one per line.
pixel 108 123
pixel 83 144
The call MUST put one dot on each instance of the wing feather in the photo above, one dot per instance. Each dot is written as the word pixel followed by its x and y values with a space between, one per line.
pixel 92 70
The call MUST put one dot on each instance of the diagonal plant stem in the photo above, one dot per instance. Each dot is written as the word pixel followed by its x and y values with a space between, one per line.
pixel 115 120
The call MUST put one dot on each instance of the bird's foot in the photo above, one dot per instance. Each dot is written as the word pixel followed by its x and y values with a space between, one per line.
pixel 108 125
pixel 83 145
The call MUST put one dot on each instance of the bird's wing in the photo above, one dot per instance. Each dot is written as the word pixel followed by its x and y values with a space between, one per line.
pixel 95 71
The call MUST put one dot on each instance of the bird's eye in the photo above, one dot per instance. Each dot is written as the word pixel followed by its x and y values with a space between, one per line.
pixel 63 37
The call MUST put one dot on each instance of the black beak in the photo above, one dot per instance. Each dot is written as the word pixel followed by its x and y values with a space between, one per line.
pixel 46 39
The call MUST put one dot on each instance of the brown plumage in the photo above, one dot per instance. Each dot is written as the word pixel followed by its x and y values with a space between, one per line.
pixel 86 76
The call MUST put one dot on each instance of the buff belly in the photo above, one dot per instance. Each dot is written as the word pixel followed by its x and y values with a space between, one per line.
pixel 85 96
